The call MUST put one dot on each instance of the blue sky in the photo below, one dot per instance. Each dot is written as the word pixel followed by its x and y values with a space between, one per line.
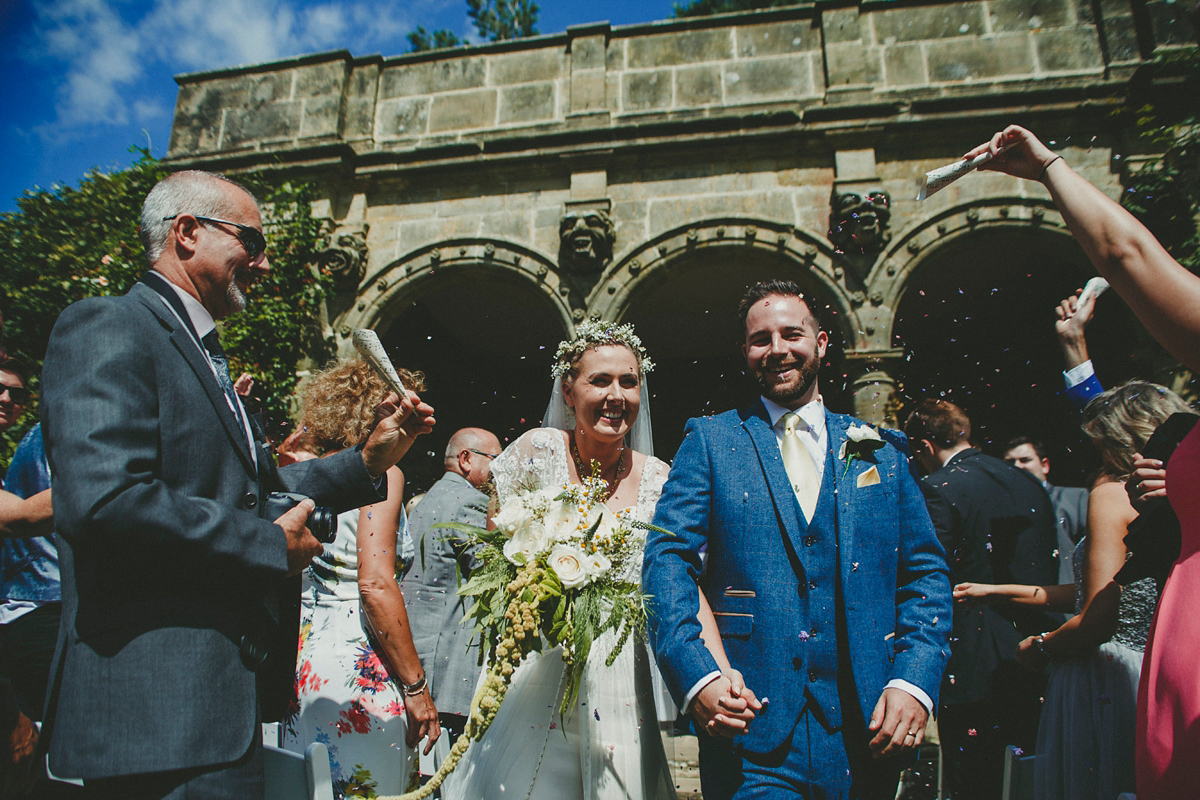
pixel 84 80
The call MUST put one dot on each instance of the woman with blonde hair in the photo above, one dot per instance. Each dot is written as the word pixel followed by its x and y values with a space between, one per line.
pixel 1086 735
pixel 359 682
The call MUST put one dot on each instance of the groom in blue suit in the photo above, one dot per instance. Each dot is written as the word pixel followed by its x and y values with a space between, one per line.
pixel 830 591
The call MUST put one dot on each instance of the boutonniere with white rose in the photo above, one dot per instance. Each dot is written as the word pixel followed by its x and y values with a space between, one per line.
pixel 555 572
pixel 861 441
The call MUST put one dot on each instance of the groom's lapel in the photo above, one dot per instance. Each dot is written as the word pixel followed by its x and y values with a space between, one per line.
pixel 758 425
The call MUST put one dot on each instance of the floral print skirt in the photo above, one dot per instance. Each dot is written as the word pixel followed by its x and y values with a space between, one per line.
pixel 347 700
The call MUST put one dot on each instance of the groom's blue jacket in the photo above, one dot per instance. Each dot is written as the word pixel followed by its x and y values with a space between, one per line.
pixel 728 489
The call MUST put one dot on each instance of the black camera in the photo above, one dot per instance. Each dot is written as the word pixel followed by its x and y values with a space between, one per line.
pixel 322 521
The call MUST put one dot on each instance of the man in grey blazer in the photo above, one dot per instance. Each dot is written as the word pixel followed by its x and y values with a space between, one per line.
pixel 1070 502
pixel 447 649
pixel 180 605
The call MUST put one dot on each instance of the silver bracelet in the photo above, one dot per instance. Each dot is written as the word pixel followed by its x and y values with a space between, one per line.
pixel 412 689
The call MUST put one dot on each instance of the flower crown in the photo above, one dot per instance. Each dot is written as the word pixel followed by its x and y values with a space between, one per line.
pixel 597 332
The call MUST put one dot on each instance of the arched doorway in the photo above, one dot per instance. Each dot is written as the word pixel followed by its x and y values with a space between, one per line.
pixel 685 311
pixel 977 323
pixel 485 339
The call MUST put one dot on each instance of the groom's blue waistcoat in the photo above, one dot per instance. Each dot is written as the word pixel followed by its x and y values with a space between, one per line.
pixel 780 586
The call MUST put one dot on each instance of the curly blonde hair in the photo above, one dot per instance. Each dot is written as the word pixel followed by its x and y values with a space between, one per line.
pixel 1120 421
pixel 338 403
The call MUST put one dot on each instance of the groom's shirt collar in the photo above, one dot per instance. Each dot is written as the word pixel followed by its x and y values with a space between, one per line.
pixel 812 414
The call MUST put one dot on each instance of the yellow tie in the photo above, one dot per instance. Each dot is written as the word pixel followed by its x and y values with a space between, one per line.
pixel 801 470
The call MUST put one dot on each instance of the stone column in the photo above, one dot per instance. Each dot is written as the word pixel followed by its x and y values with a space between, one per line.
pixel 875 385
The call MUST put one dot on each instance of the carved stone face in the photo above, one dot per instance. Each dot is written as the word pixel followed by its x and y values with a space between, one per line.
pixel 859 223
pixel 586 240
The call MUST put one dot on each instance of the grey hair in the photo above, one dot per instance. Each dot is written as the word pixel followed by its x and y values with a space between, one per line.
pixel 1120 421
pixel 188 192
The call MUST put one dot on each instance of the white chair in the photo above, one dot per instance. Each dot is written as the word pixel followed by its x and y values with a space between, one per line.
pixel 291 776
pixel 1018 775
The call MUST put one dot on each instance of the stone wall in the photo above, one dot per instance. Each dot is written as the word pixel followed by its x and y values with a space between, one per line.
pixel 689 136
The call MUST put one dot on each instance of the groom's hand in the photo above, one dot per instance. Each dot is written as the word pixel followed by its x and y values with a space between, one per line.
pixel 725 706
pixel 898 723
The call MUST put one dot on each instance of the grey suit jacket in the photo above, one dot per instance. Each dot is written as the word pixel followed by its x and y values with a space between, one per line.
pixel 1070 509
pixel 448 649
pixel 178 619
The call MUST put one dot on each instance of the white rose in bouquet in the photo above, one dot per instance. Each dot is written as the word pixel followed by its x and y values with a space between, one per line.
pixel 562 520
pixel 567 561
pixel 597 564
pixel 527 541
pixel 608 523
pixel 513 516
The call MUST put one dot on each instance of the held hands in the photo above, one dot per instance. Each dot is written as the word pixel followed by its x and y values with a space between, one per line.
pixel 422 720
pixel 1148 481
pixel 398 423
pixel 302 546
pixel 725 706
pixel 898 723
pixel 1024 155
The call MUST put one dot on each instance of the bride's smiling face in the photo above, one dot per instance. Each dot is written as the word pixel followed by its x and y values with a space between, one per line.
pixel 605 392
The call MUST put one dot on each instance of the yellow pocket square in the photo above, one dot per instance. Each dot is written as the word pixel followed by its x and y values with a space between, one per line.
pixel 868 478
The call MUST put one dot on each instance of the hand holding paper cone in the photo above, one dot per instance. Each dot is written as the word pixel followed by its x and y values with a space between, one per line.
pixel 398 424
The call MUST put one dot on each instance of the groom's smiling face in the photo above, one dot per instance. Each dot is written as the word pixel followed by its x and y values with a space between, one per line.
pixel 783 350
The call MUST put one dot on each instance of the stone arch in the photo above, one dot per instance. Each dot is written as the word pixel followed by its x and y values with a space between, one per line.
pixel 810 254
pixel 681 290
pixel 970 298
pixel 922 241
pixel 481 318
pixel 402 281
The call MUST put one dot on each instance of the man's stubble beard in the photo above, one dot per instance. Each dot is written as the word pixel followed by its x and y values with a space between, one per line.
pixel 782 395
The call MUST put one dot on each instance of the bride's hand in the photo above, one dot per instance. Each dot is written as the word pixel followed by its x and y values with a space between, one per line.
pixel 422 720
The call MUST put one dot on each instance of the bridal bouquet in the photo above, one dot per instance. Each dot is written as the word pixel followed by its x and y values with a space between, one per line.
pixel 552 574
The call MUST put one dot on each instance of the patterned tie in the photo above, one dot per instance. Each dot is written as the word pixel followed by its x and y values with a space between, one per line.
pixel 216 354
pixel 801 470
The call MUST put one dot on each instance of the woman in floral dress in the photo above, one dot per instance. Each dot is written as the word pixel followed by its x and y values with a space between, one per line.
pixel 359 683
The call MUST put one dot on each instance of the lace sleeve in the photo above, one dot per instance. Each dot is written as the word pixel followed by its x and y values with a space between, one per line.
pixel 654 475
pixel 536 459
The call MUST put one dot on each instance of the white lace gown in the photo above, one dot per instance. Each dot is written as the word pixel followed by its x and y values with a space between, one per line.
pixel 610 748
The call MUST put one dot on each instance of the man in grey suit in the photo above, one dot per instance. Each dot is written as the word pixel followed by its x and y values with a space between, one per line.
pixel 447 649
pixel 1070 502
pixel 180 602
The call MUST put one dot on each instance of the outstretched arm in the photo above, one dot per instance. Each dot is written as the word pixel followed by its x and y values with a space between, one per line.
pixel 1053 598
pixel 20 517
pixel 1164 295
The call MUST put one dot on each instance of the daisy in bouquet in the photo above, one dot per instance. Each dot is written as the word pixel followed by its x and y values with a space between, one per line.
pixel 555 572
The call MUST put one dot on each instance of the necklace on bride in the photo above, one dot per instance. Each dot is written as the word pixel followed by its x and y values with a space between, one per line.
pixel 596 470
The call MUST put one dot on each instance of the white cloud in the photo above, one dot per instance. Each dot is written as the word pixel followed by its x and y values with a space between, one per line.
pixel 109 50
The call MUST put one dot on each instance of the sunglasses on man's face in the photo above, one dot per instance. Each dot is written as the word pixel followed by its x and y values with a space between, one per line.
pixel 16 394
pixel 251 238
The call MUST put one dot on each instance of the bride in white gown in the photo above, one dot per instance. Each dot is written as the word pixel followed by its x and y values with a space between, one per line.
pixel 610 747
